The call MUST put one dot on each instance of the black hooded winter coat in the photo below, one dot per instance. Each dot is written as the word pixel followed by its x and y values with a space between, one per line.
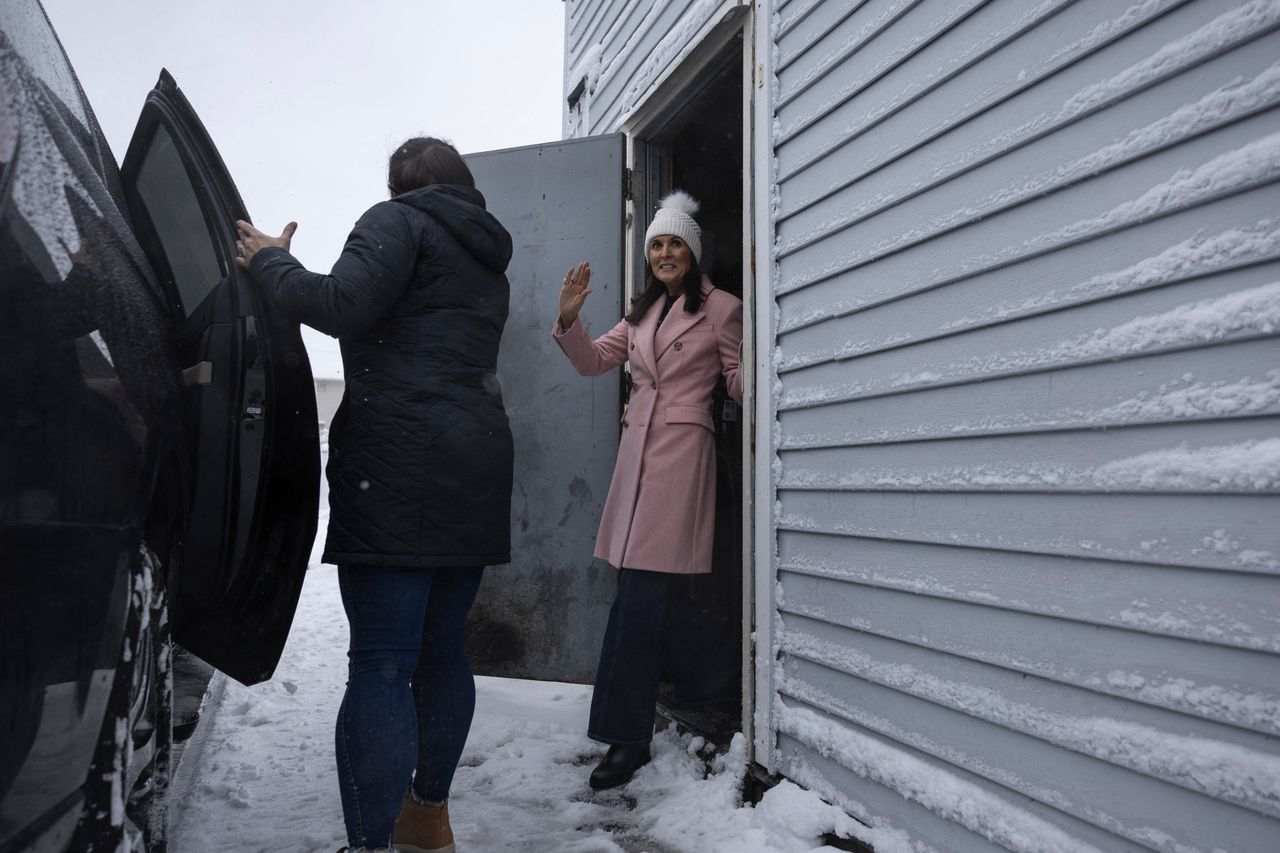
pixel 420 452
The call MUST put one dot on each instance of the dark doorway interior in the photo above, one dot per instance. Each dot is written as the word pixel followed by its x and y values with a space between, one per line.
pixel 699 150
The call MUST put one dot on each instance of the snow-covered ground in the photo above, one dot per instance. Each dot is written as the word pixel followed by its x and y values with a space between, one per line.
pixel 259 774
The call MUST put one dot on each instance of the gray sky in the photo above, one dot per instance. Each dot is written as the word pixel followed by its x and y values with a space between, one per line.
pixel 305 100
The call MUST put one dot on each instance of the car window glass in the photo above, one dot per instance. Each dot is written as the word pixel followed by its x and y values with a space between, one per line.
pixel 171 202
pixel 41 185
pixel 31 36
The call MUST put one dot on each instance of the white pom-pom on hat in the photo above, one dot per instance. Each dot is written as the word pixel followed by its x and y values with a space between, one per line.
pixel 675 217
pixel 680 200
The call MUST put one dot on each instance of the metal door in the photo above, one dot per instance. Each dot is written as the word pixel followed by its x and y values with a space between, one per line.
pixel 543 616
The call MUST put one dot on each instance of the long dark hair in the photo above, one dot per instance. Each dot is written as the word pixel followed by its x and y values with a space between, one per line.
pixel 655 290
pixel 423 161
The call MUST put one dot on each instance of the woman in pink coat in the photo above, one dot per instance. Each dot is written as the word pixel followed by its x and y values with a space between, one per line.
pixel 680 336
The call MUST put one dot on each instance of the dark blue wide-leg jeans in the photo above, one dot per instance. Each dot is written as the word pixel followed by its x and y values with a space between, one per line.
pixel 654 628
pixel 623 704
pixel 410 692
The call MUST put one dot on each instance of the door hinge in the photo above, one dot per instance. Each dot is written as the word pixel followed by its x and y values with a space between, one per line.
pixel 628 181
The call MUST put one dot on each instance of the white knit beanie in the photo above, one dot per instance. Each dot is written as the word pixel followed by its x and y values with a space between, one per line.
pixel 675 217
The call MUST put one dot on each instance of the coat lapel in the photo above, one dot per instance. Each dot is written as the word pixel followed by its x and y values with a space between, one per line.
pixel 677 323
pixel 644 334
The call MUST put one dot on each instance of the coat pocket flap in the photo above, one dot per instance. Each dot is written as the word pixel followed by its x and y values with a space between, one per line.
pixel 700 415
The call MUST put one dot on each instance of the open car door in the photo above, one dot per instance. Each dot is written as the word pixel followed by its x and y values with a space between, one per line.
pixel 249 400
pixel 543 616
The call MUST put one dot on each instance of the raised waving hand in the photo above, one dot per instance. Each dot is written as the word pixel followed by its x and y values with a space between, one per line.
pixel 573 293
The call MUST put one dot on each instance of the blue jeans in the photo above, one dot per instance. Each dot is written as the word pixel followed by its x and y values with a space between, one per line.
pixel 623 703
pixel 653 629
pixel 410 692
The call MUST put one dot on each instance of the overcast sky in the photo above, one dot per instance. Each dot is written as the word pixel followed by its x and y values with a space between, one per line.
pixel 305 100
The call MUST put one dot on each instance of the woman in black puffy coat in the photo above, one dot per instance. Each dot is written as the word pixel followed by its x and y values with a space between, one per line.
pixel 420 471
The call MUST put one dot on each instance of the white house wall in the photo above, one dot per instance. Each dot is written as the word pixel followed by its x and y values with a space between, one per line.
pixel 622 49
pixel 1018 301
pixel 1026 288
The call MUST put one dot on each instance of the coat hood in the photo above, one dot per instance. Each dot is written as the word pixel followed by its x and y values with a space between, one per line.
pixel 460 211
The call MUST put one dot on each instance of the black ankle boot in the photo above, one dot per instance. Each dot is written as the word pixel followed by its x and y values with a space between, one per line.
pixel 618 766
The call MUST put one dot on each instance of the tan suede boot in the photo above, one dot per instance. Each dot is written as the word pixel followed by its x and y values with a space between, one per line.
pixel 423 828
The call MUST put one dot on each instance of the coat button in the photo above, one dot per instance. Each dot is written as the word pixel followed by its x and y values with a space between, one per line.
pixel 653 384
pixel 625 424
pixel 633 346
pixel 677 345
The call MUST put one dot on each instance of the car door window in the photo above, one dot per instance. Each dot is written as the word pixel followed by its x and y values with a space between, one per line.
pixel 164 187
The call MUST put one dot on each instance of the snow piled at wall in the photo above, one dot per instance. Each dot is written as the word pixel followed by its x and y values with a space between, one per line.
pixel 1212 767
pixel 945 794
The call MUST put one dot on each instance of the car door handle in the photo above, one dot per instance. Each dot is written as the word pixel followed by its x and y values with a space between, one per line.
pixel 198 374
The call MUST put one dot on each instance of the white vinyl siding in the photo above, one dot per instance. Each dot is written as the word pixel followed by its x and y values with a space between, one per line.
pixel 1026 293
pixel 624 49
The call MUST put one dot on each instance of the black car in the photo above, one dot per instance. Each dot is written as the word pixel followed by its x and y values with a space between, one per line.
pixel 159 458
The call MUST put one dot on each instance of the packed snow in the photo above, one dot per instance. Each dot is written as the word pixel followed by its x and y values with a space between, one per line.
pixel 259 774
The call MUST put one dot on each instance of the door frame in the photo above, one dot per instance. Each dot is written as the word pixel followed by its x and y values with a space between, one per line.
pixel 732 22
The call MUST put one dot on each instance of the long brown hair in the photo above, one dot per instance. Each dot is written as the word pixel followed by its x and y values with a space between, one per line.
pixel 655 290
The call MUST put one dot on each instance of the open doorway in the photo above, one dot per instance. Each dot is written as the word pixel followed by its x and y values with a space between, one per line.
pixel 694 142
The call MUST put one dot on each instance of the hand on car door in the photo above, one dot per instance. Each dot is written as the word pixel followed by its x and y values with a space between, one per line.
pixel 251 241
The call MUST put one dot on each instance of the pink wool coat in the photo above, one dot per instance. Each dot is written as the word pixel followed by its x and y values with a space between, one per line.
pixel 661 509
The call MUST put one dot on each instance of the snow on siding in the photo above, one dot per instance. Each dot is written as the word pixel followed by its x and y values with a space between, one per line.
pixel 950 795
pixel 1026 439
pixel 621 50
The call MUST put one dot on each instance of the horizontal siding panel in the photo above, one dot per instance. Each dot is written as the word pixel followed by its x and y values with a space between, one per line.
pixel 651 43
pixel 859 40
pixel 1230 532
pixel 842 340
pixel 1232 380
pixel 1023 222
pixel 583 14
pixel 1126 252
pixel 1125 802
pixel 790 14
pixel 801 26
pixel 1158 253
pixel 1188 604
pixel 911 34
pixel 894 822
pixel 987 59
pixel 813 739
pixel 1233 686
pixel 1197 753
pixel 997 163
pixel 1234 307
pixel 961 253
pixel 588 24
pixel 1224 457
